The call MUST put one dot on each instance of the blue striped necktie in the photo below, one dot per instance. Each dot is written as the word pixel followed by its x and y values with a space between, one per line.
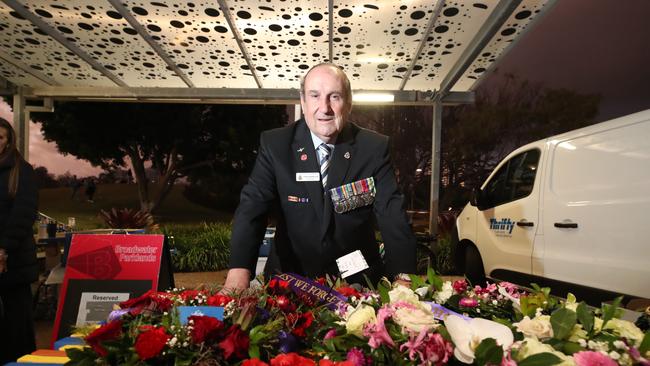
pixel 325 152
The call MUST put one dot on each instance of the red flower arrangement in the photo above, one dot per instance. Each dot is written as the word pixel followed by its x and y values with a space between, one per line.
pixel 151 341
pixel 110 331
pixel 278 325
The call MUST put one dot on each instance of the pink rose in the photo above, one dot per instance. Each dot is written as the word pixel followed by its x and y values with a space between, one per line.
pixel 468 302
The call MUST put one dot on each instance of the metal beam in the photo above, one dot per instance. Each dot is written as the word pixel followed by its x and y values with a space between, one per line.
pixel 223 95
pixel 6 87
pixel 25 68
pixel 117 4
pixel 22 10
pixel 330 28
pixel 423 42
pixel 547 7
pixel 21 125
pixel 436 130
pixel 48 106
pixel 242 47
pixel 499 15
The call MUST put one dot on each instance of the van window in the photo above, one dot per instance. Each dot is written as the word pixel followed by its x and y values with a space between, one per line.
pixel 513 180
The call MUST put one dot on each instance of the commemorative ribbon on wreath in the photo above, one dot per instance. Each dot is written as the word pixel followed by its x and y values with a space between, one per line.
pixel 353 195
pixel 314 290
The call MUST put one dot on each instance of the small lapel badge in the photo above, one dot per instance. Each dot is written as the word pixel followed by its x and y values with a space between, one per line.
pixel 303 157
pixel 297 199
pixel 301 149
pixel 346 155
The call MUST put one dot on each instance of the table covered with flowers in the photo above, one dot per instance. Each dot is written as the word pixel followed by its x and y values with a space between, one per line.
pixel 292 320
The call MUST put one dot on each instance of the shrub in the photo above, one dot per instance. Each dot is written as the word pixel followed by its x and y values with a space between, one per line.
pixel 196 248
pixel 128 218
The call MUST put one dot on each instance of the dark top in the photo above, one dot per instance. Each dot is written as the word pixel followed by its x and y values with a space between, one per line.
pixel 17 216
pixel 310 236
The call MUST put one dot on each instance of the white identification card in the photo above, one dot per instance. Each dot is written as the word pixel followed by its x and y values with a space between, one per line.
pixel 308 177
pixel 352 263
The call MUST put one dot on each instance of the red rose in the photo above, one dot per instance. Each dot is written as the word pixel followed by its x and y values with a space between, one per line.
pixel 291 359
pixel 138 302
pixel 321 280
pixel 278 286
pixel 300 322
pixel 107 332
pixel 151 342
pixel 285 304
pixel 188 295
pixel 162 300
pixel 348 291
pixel 254 362
pixel 205 328
pixel 235 343
pixel 325 362
pixel 219 300
pixel 459 286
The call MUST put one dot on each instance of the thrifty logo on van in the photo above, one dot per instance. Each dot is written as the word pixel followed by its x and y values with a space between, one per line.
pixel 503 226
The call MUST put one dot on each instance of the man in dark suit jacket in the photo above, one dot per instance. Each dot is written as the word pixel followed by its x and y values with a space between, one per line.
pixel 313 228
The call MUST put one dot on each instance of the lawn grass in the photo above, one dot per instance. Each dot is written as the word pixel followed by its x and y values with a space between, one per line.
pixel 175 209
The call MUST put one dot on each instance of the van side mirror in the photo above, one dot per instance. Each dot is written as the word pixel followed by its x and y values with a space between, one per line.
pixel 473 195
pixel 479 199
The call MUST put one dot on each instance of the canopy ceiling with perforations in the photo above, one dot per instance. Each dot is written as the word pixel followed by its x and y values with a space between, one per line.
pixel 253 49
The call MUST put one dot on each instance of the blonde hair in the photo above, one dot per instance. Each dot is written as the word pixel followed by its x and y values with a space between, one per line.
pixel 9 152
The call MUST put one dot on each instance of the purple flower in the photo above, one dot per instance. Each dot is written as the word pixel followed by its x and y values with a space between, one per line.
pixel 288 342
pixel 263 314
pixel 117 314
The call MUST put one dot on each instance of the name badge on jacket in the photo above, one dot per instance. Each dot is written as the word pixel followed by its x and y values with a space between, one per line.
pixel 308 177
pixel 353 195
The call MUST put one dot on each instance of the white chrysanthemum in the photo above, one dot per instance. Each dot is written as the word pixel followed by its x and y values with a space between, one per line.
pixel 445 293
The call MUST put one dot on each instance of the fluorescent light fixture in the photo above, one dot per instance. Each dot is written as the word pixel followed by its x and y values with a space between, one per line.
pixel 373 97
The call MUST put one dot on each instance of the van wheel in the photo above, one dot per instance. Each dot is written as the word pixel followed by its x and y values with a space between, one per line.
pixel 474 266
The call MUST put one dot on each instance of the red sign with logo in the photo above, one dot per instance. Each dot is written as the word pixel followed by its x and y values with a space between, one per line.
pixel 105 267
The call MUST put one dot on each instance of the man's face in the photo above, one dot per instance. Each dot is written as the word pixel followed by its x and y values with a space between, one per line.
pixel 325 103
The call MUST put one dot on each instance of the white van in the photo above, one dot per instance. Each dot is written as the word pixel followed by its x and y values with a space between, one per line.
pixel 571 212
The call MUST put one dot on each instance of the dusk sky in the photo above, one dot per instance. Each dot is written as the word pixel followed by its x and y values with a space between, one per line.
pixel 590 46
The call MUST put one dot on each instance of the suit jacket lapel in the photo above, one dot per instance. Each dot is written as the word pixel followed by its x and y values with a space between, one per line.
pixel 305 160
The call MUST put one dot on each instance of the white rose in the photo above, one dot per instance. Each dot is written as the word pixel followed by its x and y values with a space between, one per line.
pixel 532 346
pixel 539 327
pixel 625 329
pixel 415 319
pixel 361 316
pixel 403 293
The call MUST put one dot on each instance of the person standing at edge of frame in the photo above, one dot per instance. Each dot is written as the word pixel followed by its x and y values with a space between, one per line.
pixel 327 181
pixel 18 263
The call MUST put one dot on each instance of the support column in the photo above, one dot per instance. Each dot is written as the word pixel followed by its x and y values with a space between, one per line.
pixel 435 167
pixel 297 112
pixel 21 123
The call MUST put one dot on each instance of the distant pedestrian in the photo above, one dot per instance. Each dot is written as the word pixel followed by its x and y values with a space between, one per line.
pixel 90 189
pixel 76 185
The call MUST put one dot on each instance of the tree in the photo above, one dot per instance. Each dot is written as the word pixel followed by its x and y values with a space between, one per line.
pixel 409 129
pixel 44 179
pixel 515 112
pixel 171 139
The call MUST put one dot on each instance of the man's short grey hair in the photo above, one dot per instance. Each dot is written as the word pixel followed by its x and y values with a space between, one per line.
pixel 339 70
